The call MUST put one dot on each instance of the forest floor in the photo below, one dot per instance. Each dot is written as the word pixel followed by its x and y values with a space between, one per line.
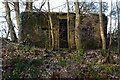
pixel 21 61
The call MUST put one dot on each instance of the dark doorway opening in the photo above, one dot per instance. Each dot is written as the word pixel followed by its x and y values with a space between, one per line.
pixel 63 33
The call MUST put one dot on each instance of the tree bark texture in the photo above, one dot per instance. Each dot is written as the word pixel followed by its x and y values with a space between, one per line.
pixel 68 25
pixel 110 42
pixel 51 26
pixel 9 22
pixel 101 26
pixel 77 26
pixel 17 13
pixel 28 5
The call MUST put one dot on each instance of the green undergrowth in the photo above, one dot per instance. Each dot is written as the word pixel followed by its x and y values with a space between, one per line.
pixel 77 64
pixel 80 52
pixel 62 62
pixel 21 67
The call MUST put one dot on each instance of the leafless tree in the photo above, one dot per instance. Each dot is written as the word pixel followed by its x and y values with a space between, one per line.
pixel 29 5
pixel 9 21
pixel 51 25
pixel 101 26
pixel 77 26
pixel 68 24
pixel 110 42
pixel 17 12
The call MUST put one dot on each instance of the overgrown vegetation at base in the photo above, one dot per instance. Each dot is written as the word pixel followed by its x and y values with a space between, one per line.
pixel 72 40
pixel 42 63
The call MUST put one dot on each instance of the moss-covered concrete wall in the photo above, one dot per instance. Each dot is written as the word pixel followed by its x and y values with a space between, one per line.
pixel 36 29
pixel 90 30
pixel 32 24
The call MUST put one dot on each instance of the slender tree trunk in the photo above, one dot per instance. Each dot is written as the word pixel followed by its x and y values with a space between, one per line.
pixel 8 34
pixel 17 12
pixel 118 28
pixel 28 5
pixel 101 27
pixel 68 25
pixel 77 26
pixel 51 26
pixel 119 33
pixel 9 21
pixel 110 42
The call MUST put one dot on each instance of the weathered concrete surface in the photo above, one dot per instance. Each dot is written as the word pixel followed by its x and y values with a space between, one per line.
pixel 36 29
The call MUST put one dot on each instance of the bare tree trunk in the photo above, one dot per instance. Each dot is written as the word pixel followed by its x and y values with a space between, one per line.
pixel 9 21
pixel 43 3
pixel 17 12
pixel 118 28
pixel 28 5
pixel 51 26
pixel 77 26
pixel 68 25
pixel 8 33
pixel 110 42
pixel 119 33
pixel 101 27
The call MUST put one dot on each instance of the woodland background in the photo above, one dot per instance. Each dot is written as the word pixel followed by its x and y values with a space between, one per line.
pixel 21 59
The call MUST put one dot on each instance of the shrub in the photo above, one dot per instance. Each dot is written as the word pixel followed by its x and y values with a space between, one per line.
pixel 36 62
pixel 62 62
pixel 80 52
pixel 103 52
